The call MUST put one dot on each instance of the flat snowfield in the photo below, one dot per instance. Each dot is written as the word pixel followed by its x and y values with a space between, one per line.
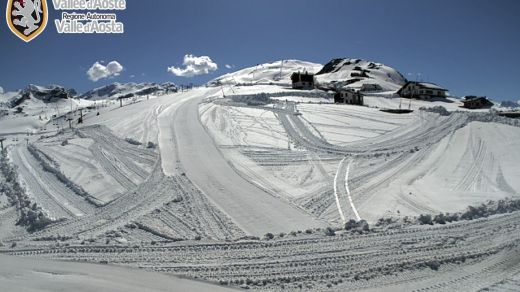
pixel 38 275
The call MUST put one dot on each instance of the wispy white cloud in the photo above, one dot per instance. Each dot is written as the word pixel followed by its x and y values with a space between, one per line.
pixel 1 90
pixel 194 66
pixel 230 66
pixel 99 71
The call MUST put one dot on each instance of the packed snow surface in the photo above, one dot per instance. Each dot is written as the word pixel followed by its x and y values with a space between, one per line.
pixel 32 275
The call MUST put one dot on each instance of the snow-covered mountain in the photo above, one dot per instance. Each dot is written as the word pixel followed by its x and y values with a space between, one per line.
pixel 337 73
pixel 510 104
pixel 52 93
pixel 116 90
pixel 44 93
pixel 6 97
pixel 354 73
pixel 49 93
pixel 278 73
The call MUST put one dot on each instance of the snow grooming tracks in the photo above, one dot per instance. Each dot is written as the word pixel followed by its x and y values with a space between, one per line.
pixel 52 167
pixel 155 195
pixel 430 130
pixel 144 158
pixel 147 196
pixel 413 256
pixel 126 163
pixel 342 191
pixel 190 215
pixel 56 198
pixel 348 193
pixel 336 195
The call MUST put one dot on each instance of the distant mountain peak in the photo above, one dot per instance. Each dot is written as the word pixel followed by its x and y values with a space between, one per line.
pixel 117 90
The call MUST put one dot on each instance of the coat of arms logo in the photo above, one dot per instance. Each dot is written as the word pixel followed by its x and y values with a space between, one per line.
pixel 27 18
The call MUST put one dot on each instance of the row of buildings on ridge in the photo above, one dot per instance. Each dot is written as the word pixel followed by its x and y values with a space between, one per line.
pixel 305 81
pixel 411 89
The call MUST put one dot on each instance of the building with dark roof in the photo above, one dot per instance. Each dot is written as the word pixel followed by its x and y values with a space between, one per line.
pixel 421 90
pixel 367 87
pixel 477 102
pixel 348 96
pixel 302 81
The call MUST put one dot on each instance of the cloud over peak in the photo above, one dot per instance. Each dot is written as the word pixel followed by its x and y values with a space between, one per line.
pixel 99 71
pixel 194 66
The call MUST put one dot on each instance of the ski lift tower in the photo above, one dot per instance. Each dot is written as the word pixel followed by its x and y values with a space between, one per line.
pixel 2 139
pixel 128 96
pixel 70 98
pixel 281 71
pixel 70 119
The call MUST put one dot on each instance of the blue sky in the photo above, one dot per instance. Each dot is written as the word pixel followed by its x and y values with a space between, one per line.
pixel 470 47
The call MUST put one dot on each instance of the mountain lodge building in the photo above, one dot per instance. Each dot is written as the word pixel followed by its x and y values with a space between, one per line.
pixel 421 90
pixel 303 81
pixel 349 96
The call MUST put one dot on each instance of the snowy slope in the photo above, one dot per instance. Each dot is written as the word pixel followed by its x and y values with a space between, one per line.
pixel 116 90
pixel 278 72
pixel 344 71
